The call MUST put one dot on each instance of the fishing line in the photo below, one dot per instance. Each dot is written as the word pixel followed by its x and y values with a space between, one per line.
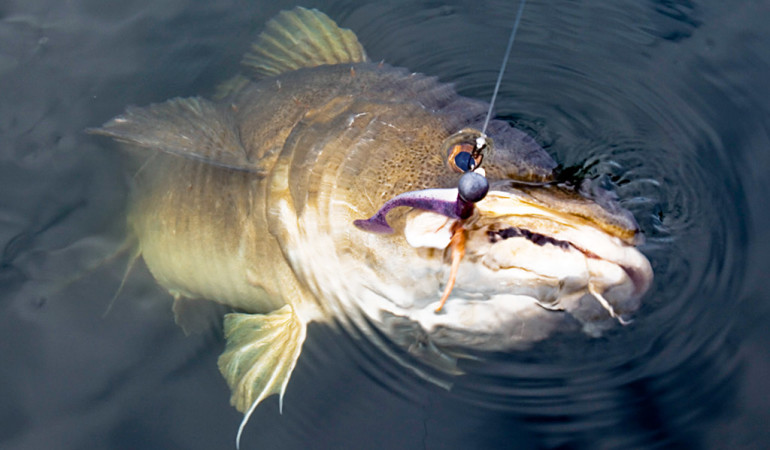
pixel 502 67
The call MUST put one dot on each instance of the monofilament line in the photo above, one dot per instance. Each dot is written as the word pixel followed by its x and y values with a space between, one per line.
pixel 502 67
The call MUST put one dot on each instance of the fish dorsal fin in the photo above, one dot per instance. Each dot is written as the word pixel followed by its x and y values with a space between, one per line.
pixel 191 127
pixel 261 352
pixel 301 38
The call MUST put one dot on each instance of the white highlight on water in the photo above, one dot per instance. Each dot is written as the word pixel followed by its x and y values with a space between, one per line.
pixel 502 67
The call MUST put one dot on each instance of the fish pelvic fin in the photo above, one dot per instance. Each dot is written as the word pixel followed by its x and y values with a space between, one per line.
pixel 261 353
pixel 301 38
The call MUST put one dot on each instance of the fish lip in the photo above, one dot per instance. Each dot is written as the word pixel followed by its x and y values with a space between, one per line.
pixel 585 200
pixel 639 277
pixel 641 282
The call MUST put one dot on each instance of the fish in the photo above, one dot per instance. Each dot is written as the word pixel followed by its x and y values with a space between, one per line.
pixel 319 186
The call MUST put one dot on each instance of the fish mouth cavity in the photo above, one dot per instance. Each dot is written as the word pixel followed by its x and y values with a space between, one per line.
pixel 637 277
pixel 524 249
pixel 537 238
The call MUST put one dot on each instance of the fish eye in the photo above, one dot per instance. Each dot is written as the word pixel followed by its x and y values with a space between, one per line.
pixel 465 150
pixel 461 160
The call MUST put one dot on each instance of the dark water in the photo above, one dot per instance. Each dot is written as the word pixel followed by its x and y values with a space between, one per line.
pixel 669 100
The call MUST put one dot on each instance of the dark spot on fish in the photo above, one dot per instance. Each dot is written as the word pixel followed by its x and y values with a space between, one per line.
pixel 536 238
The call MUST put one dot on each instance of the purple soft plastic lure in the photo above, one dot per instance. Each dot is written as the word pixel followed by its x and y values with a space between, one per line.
pixel 442 201
pixel 453 203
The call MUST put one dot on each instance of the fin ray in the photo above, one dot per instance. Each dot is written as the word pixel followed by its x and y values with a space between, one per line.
pixel 190 127
pixel 261 353
pixel 301 38
pixel 136 252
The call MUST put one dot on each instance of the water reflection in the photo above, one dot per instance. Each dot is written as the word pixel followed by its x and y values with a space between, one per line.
pixel 665 99
pixel 606 104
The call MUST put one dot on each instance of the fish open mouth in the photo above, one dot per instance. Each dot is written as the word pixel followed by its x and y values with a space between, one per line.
pixel 545 247
pixel 514 258
pixel 639 278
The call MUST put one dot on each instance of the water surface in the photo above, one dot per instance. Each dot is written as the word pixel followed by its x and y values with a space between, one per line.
pixel 668 101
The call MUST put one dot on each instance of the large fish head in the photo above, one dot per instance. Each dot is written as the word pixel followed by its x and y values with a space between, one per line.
pixel 365 206
pixel 533 256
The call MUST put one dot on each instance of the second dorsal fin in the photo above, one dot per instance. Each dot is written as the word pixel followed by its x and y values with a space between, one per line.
pixel 301 38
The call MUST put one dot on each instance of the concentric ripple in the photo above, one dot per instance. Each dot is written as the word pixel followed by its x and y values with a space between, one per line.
pixel 615 91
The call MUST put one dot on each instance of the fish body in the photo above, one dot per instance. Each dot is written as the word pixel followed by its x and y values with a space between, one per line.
pixel 250 200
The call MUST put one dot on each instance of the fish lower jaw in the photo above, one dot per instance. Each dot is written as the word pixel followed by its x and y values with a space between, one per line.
pixel 509 321
pixel 523 292
pixel 505 320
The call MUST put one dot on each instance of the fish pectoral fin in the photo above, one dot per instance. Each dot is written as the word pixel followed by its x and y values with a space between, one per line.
pixel 261 352
pixel 190 127
pixel 301 38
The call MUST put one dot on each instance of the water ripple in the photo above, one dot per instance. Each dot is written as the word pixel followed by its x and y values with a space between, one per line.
pixel 607 89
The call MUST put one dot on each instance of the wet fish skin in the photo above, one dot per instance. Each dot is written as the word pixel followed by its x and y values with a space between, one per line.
pixel 380 141
pixel 249 200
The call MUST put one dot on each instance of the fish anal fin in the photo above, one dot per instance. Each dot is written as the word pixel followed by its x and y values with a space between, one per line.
pixel 301 38
pixel 190 127
pixel 261 352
